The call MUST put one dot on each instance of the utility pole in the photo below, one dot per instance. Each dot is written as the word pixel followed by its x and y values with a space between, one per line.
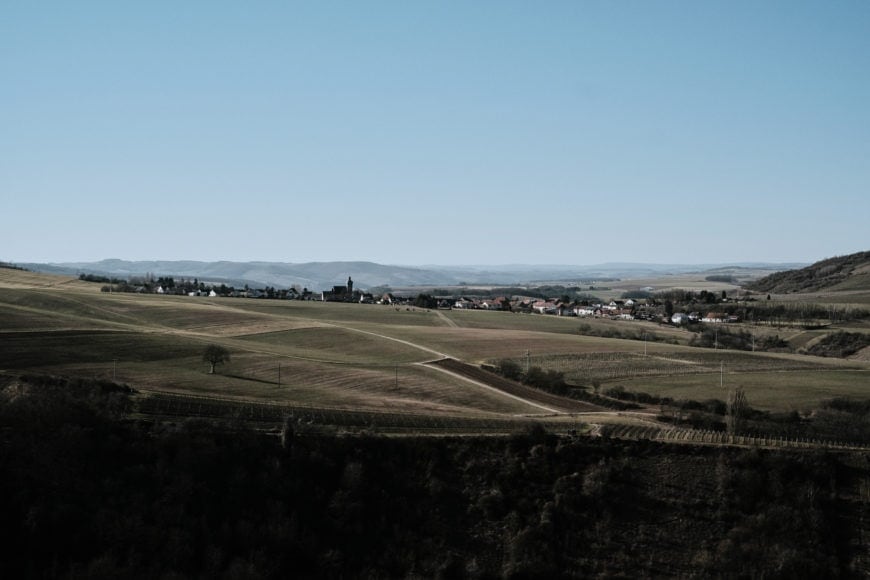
pixel 528 360
pixel 644 343
pixel 716 339
pixel 722 375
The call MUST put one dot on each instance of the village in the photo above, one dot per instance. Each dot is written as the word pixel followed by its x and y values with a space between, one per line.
pixel 652 308
pixel 629 309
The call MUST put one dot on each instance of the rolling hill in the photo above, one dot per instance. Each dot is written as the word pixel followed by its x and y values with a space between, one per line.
pixel 840 273
pixel 323 275
pixel 123 456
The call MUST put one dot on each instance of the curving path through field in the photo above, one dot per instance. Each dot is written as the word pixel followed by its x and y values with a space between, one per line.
pixel 473 375
pixel 447 320
pixel 399 340
pixel 491 388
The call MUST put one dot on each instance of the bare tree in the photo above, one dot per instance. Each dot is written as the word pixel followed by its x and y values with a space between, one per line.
pixel 736 409
pixel 214 355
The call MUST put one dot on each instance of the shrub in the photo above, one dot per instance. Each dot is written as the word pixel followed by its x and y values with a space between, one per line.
pixel 840 344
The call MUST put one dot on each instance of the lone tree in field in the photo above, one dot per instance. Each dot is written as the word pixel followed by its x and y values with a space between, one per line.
pixel 215 355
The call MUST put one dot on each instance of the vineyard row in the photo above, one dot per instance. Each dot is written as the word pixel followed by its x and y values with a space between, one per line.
pixel 699 436
pixel 170 405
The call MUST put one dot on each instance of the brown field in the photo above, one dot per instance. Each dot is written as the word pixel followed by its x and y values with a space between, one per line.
pixel 367 357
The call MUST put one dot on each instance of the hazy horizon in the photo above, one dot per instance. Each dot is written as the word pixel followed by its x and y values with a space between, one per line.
pixel 465 134
pixel 554 265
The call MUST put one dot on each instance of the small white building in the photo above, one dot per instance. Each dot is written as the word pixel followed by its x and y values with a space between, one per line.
pixel 543 307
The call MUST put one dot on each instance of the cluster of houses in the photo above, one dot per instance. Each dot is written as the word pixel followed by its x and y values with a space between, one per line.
pixel 625 309
pixel 628 309
pixel 161 290
pixel 680 318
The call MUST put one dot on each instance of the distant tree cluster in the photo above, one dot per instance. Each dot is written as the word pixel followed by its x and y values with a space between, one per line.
pixel 101 279
pixel 637 295
pixel 688 299
pixel 840 344
pixel 566 293
pixel 823 274
pixel 425 301
pixel 554 382
pixel 763 312
pixel 728 279
pixel 168 285
pixel 8 266
pixel 550 381
pixel 626 334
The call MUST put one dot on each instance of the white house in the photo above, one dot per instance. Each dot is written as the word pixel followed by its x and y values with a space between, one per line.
pixel 543 307
pixel 679 318
pixel 584 310
pixel 714 317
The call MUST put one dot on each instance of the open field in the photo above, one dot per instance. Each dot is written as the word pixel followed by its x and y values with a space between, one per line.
pixel 369 358
pixel 773 391
pixel 690 281
pixel 859 298
pixel 561 325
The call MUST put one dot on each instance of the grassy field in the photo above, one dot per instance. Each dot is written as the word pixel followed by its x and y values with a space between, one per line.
pixel 367 357
pixel 773 391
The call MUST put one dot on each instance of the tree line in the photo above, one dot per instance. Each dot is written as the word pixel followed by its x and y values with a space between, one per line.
pixel 183 287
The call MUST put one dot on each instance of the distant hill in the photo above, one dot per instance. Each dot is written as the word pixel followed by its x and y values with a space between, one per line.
pixel 850 272
pixel 322 275
pixel 312 275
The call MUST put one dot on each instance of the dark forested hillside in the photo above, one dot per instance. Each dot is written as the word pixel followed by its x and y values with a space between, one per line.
pixel 84 493
pixel 850 272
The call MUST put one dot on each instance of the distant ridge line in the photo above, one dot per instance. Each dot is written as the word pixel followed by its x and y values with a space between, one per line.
pixel 323 275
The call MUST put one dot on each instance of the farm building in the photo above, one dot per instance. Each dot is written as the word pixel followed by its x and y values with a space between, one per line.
pixel 714 317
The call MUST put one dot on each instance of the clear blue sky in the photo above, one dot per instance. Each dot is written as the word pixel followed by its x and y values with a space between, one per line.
pixel 435 132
